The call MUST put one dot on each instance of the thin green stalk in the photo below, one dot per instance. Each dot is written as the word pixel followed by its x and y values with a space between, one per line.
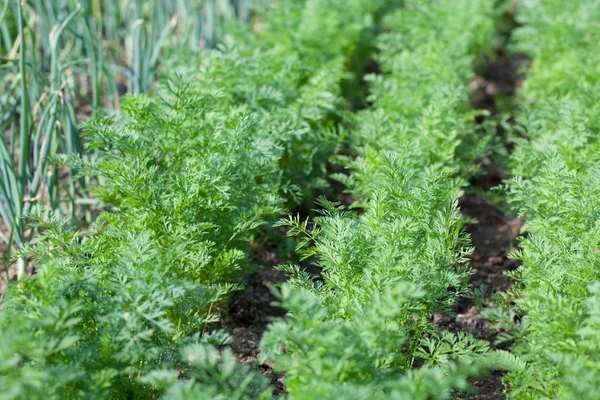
pixel 25 109
pixel 24 139
pixel 2 15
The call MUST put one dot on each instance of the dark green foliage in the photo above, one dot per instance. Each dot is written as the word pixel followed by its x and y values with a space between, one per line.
pixel 217 375
pixel 298 118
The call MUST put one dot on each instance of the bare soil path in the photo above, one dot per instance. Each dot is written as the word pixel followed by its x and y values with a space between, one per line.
pixel 494 235
pixel 251 312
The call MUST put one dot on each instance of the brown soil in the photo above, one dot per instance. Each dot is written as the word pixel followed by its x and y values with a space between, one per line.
pixel 493 234
pixel 500 76
pixel 490 388
pixel 252 310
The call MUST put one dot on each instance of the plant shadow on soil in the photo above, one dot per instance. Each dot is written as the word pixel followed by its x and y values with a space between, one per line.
pixel 493 236
pixel 253 308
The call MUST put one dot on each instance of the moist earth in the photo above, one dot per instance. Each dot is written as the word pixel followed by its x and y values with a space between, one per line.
pixel 252 310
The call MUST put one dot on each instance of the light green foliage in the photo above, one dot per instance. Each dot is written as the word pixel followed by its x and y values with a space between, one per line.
pixel 299 117
pixel 62 61
pixel 362 357
pixel 326 32
pixel 563 83
pixel 558 126
pixel 131 305
pixel 192 182
pixel 296 62
pixel 410 232
pixel 358 327
pixel 321 30
pixel 108 309
pixel 558 192
pixel 560 257
pixel 562 41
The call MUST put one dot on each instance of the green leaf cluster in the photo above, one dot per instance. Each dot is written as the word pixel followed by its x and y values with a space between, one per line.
pixel 557 190
pixel 108 309
pixel 297 114
pixel 131 305
pixel 420 105
pixel 359 328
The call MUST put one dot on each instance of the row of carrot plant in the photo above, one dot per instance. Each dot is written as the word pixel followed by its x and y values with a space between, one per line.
pixel 362 328
pixel 553 311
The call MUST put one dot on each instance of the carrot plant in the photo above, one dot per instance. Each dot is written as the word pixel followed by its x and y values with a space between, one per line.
pixel 301 118
pixel 286 64
pixel 154 273
pixel 556 188
pixel 420 97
